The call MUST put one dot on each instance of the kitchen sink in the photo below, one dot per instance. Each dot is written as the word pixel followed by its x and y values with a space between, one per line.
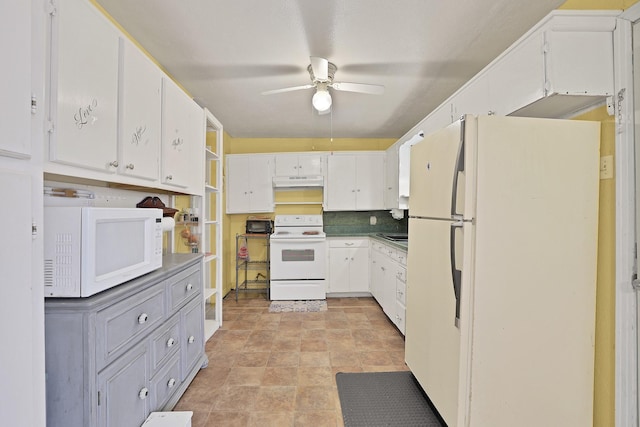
pixel 394 237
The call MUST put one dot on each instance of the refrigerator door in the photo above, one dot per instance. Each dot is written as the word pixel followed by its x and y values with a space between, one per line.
pixel 432 340
pixel 441 165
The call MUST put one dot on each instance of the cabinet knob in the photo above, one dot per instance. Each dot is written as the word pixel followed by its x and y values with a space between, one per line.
pixel 171 383
pixel 169 177
pixel 143 318
pixel 191 339
pixel 189 287
pixel 129 166
pixel 143 393
pixel 114 164
pixel 170 342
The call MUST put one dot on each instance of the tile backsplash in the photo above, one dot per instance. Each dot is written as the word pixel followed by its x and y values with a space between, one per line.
pixel 360 222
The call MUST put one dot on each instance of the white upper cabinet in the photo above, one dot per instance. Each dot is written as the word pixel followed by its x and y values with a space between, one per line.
pixel 249 187
pixel 84 87
pixel 298 164
pixel 355 181
pixel 182 139
pixel 15 78
pixel 392 181
pixel 140 96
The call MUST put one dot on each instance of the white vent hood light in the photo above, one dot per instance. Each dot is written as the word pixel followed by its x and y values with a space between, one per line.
pixel 298 181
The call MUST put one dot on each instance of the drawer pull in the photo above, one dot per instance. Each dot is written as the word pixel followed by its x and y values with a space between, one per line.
pixel 143 393
pixel 348 244
pixel 143 318
pixel 189 287
pixel 114 164
pixel 191 339
pixel 170 342
pixel 130 166
pixel 171 383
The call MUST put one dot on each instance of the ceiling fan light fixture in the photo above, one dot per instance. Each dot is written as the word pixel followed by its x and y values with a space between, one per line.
pixel 321 100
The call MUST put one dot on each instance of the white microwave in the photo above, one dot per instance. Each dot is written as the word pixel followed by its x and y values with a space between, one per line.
pixel 89 250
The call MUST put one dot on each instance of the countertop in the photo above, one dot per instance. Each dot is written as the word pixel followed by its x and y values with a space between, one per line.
pixel 399 245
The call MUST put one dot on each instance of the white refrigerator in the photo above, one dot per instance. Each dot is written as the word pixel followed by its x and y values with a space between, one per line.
pixel 501 285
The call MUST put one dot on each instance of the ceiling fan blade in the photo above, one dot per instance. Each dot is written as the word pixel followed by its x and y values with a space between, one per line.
pixel 358 87
pixel 288 89
pixel 320 68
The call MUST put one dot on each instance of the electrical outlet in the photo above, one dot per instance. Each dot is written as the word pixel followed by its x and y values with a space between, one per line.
pixel 606 167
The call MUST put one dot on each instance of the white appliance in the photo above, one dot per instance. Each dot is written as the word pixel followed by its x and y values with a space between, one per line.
pixel 88 250
pixel 503 223
pixel 298 258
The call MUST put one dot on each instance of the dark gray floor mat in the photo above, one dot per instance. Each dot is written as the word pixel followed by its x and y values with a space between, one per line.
pixel 384 399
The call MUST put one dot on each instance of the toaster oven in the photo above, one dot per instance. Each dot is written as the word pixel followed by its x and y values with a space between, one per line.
pixel 259 226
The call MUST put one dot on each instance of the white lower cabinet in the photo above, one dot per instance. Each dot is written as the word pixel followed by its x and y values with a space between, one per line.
pixel 388 280
pixel 348 264
pixel 113 358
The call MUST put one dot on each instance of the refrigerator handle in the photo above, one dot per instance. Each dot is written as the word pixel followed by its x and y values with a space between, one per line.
pixel 456 275
pixel 456 173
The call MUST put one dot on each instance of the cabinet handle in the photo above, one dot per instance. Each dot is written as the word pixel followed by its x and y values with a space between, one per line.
pixel 189 287
pixel 129 166
pixel 169 177
pixel 383 269
pixel 114 164
pixel 346 259
pixel 351 259
pixel 191 339
pixel 348 244
pixel 143 393
pixel 143 318
pixel 171 383
pixel 170 342
pixel 358 190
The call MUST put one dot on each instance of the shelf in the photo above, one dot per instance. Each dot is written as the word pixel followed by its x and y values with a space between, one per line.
pixel 209 292
pixel 252 264
pixel 211 189
pixel 210 222
pixel 209 258
pixel 244 264
pixel 210 327
pixel 211 155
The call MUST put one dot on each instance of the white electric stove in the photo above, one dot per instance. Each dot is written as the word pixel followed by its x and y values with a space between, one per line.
pixel 298 258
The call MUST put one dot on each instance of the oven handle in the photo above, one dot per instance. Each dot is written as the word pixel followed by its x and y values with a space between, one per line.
pixel 302 241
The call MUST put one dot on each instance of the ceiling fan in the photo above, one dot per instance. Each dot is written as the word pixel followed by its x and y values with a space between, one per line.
pixel 321 72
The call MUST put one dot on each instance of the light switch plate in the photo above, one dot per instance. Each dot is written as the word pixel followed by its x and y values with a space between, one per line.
pixel 606 167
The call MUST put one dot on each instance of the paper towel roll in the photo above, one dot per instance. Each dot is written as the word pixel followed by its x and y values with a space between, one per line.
pixel 168 223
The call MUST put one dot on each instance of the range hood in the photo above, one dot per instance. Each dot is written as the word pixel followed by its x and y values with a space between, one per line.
pixel 298 181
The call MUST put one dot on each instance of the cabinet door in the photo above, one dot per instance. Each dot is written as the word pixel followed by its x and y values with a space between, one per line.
pixel 341 183
pixel 310 164
pixel 15 79
pixel 193 346
pixel 182 138
pixel 260 183
pixel 286 165
pixel 389 287
pixel 84 87
pixel 339 261
pixel 473 98
pixel 359 270
pixel 369 181
pixel 518 78
pixel 123 391
pixel 392 178
pixel 376 274
pixel 237 184
pixel 140 84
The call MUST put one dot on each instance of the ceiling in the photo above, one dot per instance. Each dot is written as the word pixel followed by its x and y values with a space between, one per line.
pixel 227 52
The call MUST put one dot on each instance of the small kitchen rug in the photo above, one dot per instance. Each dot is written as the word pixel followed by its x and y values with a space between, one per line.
pixel 384 399
pixel 297 306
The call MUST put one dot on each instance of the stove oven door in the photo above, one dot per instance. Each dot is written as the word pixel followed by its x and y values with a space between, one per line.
pixel 298 258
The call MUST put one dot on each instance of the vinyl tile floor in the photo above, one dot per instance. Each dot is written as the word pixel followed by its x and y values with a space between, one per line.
pixel 278 369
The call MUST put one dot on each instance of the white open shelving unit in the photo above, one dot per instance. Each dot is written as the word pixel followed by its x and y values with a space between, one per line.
pixel 211 239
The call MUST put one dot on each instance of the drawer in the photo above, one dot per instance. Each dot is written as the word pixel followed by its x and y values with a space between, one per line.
pixel 401 292
pixel 349 243
pixel 399 319
pixel 401 274
pixel 377 246
pixel 401 256
pixel 183 286
pixel 165 342
pixel 165 383
pixel 125 323
pixel 192 346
